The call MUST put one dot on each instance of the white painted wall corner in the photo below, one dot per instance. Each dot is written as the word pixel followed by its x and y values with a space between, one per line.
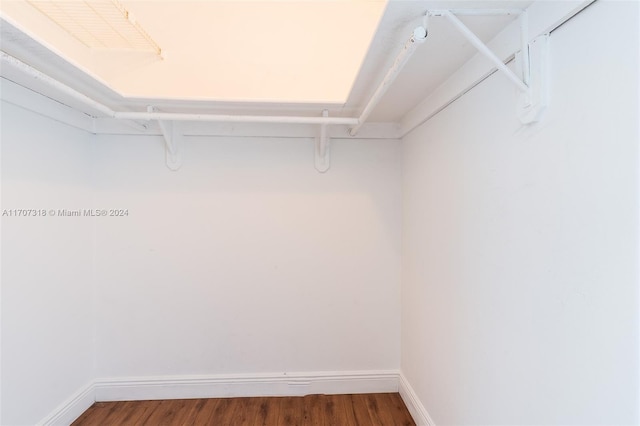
pixel 72 408
pixel 411 400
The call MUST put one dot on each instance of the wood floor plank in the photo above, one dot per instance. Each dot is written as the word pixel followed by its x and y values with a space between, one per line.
pixel 201 412
pixel 180 409
pixel 111 410
pixel 329 410
pixel 147 408
pixel 378 409
pixel 127 413
pixel 273 411
pixel 336 410
pixel 291 412
pixel 361 411
pixel 246 411
pixel 343 414
pixel 225 411
pixel 164 414
pixel 196 406
pixel 398 409
pixel 93 415
pixel 261 411
pixel 311 410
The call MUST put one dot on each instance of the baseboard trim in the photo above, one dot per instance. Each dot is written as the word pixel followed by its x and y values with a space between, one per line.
pixel 72 408
pixel 411 400
pixel 220 386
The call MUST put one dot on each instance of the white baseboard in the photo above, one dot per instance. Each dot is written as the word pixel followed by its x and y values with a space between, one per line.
pixel 415 407
pixel 220 386
pixel 72 408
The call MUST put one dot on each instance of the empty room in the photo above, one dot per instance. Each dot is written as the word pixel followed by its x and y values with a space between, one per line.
pixel 319 212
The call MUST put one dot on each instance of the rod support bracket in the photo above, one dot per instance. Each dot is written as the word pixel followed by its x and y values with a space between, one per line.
pixel 531 78
pixel 323 148
pixel 172 142
pixel 533 103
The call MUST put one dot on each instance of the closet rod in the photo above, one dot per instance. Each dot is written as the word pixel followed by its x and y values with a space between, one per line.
pixel 417 37
pixel 176 116
pixel 282 119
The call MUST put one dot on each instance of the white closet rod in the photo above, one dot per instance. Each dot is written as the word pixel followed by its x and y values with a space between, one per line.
pixel 282 119
pixel 105 110
pixel 419 35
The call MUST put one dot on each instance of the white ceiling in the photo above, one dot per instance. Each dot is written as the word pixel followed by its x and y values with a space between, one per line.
pixel 444 51
pixel 352 80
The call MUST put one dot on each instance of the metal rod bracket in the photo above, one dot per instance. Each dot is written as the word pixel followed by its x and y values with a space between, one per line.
pixel 531 79
pixel 532 104
pixel 323 148
pixel 172 142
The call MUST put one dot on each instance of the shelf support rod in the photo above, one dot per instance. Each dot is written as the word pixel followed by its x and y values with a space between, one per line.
pixel 531 60
pixel 482 48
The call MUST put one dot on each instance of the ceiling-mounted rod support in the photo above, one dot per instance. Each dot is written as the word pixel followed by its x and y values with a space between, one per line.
pixel 418 36
pixel 482 48
pixel 323 148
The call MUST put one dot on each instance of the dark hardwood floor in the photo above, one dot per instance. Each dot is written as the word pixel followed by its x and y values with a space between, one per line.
pixel 381 409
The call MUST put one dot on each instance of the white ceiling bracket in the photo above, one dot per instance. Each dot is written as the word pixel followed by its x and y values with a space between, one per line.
pixel 172 142
pixel 323 148
pixel 532 65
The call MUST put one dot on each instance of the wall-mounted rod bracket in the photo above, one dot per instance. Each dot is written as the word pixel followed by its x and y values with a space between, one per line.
pixel 533 99
pixel 323 147
pixel 531 105
pixel 482 48
pixel 172 142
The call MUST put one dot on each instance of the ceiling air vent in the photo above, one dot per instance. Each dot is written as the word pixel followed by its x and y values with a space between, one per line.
pixel 98 24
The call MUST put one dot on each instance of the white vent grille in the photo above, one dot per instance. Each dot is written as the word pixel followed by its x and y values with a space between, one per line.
pixel 98 24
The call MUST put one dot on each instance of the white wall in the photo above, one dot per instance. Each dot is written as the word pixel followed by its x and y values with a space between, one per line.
pixel 519 299
pixel 247 260
pixel 47 324
pixel 520 245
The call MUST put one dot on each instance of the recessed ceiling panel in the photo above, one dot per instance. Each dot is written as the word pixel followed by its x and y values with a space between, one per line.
pixel 248 51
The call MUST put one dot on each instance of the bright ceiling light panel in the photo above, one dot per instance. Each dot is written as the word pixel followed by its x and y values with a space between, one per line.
pixel 265 51
pixel 98 24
